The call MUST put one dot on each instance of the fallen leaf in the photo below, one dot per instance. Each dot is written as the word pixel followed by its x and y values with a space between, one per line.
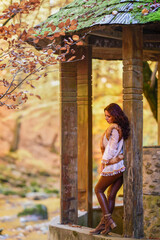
pixel 145 11
pixel 49 51
pixel 75 37
pixel 79 43
pixel 114 12
pixel 71 59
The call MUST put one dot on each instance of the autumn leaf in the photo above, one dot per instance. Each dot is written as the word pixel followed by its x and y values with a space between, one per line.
pixel 73 27
pixel 139 6
pixel 36 40
pixel 63 59
pixel 39 97
pixel 114 12
pixel 26 61
pixel 63 48
pixel 38 77
pixel 52 59
pixel 79 43
pixel 71 58
pixel 51 38
pixel 67 23
pixel 73 22
pixel 53 28
pixel 62 33
pixel 75 37
pixel 145 11
pixel 2 66
pixel 50 51
pixel 45 34
pixel 56 34
pixel 42 63
pixel 61 25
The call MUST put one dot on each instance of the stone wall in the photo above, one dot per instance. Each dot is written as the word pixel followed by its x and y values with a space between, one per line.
pixel 151 170
pixel 151 197
pixel 151 191
pixel 151 203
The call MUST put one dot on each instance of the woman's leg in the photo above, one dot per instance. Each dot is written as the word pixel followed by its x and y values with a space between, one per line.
pixel 103 183
pixel 112 192
pixel 106 222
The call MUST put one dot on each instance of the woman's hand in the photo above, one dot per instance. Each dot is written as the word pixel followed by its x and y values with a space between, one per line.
pixel 115 160
pixel 102 167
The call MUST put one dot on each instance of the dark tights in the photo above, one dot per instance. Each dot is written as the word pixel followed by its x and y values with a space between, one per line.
pixel 113 183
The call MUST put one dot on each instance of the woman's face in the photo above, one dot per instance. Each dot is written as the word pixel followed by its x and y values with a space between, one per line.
pixel 108 117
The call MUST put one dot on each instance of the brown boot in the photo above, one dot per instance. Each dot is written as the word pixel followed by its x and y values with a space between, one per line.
pixel 109 224
pixel 99 228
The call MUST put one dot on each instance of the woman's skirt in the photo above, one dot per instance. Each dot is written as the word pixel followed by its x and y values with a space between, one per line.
pixel 113 169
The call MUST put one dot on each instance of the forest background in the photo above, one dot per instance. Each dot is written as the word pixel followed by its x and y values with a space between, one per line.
pixel 29 136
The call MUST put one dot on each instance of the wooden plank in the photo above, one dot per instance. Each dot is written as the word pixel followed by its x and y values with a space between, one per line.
pixel 84 101
pixel 107 53
pixel 108 32
pixel 151 37
pixel 69 151
pixel 133 107
pixel 158 103
pixel 116 54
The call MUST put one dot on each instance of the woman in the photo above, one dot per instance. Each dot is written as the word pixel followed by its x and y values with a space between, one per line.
pixel 112 165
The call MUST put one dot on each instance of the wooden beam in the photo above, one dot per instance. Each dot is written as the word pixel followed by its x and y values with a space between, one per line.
pixel 107 53
pixel 84 101
pixel 116 54
pixel 133 107
pixel 152 46
pixel 151 55
pixel 151 37
pixel 158 103
pixel 69 151
pixel 111 49
pixel 108 33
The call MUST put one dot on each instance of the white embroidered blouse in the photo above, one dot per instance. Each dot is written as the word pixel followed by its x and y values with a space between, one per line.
pixel 113 148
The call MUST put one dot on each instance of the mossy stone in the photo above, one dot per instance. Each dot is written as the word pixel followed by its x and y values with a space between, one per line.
pixel 38 210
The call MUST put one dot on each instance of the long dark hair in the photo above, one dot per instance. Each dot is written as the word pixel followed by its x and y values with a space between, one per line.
pixel 120 118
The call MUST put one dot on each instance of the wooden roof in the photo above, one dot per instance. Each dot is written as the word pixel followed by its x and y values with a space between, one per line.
pixel 103 21
pixel 90 13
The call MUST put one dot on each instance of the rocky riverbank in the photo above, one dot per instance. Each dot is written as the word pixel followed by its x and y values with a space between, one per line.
pixel 18 228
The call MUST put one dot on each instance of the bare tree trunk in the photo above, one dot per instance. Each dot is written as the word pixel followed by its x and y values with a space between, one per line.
pixel 16 135
pixel 53 147
pixel 153 76
pixel 150 92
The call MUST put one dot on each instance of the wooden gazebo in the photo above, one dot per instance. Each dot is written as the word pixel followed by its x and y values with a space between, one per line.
pixel 116 30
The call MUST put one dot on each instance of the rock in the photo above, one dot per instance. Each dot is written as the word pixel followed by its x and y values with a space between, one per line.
pixel 34 213
pixel 20 235
pixel 5 236
pixel 30 218
pixel 29 228
pixel 37 195
pixel 7 218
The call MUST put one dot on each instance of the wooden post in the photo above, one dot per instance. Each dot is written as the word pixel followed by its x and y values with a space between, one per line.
pixel 133 107
pixel 69 189
pixel 84 71
pixel 158 103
